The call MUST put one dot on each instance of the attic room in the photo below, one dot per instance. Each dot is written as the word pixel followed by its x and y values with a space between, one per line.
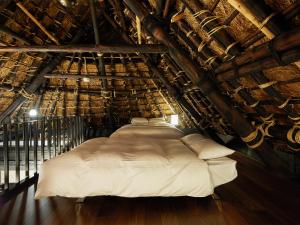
pixel 162 112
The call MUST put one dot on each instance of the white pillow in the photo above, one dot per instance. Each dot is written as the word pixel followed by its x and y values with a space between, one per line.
pixel 157 121
pixel 139 121
pixel 205 147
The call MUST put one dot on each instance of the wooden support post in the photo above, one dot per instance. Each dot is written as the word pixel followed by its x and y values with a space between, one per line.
pixel 100 63
pixel 252 136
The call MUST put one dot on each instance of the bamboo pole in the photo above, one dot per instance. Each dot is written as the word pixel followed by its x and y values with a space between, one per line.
pixel 94 76
pixel 243 7
pixel 284 42
pixel 258 65
pixel 50 36
pixel 139 30
pixel 257 15
pixel 269 126
pixel 257 76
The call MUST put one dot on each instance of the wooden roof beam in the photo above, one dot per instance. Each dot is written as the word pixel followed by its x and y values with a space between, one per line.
pixel 208 88
pixel 145 48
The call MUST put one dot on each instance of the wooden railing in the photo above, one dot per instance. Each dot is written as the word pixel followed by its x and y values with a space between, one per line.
pixel 26 144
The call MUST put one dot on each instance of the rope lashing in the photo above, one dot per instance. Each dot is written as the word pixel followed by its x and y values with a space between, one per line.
pixel 201 46
pixel 199 13
pixel 266 20
pixel 266 126
pixel 229 47
pixel 253 105
pixel 238 89
pixel 294 118
pixel 267 118
pixel 207 20
pixel 252 136
pixel 284 104
pixel 189 33
pixel 268 84
pixel 216 29
pixel 297 137
pixel 291 132
pixel 178 75
pixel 177 16
pixel 25 94
pixel 221 121
pixel 210 60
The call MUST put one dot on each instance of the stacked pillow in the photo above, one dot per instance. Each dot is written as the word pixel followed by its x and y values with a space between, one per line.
pixel 204 147
pixel 157 121
pixel 151 122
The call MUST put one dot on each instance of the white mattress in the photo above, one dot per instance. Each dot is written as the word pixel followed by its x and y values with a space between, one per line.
pixel 146 131
pixel 131 168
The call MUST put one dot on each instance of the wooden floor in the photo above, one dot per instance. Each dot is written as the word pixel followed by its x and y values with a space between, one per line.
pixel 254 198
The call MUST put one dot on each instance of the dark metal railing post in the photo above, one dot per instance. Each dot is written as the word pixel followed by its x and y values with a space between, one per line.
pixel 63 120
pixel 72 132
pixel 54 122
pixel 58 135
pixel 49 136
pixel 35 125
pixel 43 139
pixel 5 154
pixel 17 151
pixel 26 147
pixel 69 133
pixel 78 130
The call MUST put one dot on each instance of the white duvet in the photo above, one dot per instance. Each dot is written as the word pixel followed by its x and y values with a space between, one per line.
pixel 143 131
pixel 129 168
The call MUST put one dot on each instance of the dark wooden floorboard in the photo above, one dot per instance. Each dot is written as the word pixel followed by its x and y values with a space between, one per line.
pixel 256 197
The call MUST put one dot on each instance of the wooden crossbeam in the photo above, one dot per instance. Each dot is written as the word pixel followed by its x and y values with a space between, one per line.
pixel 145 48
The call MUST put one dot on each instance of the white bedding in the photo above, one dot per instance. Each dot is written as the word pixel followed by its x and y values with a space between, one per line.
pixel 222 170
pixel 142 131
pixel 129 168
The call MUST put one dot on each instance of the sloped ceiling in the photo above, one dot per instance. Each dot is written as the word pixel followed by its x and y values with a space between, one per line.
pixel 67 91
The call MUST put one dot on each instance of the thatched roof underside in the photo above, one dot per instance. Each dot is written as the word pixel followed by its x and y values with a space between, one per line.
pixel 126 98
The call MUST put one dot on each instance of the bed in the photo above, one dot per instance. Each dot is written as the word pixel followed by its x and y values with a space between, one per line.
pixel 135 161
